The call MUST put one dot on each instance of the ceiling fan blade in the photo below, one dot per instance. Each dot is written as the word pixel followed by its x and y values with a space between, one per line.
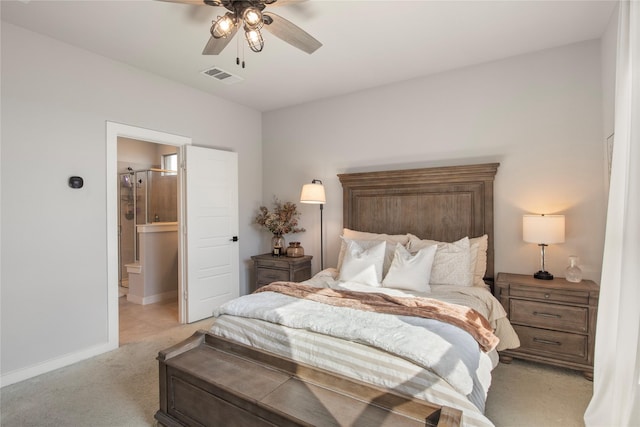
pixel 196 2
pixel 290 33
pixel 215 46
pixel 274 3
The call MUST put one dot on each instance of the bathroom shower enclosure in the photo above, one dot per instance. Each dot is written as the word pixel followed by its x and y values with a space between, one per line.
pixel 145 197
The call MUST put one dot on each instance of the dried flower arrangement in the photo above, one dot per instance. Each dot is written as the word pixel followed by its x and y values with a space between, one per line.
pixel 283 219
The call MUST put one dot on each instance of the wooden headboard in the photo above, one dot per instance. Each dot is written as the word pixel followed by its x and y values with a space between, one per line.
pixel 443 203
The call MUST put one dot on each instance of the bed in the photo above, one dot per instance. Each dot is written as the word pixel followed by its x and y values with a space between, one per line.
pixel 373 318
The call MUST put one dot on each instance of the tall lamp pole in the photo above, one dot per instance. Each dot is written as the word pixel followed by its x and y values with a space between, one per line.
pixel 314 194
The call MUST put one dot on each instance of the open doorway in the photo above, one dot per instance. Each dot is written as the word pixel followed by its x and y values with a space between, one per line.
pixel 116 131
pixel 147 238
pixel 208 254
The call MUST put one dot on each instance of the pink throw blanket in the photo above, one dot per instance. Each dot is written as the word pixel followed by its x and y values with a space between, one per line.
pixel 463 317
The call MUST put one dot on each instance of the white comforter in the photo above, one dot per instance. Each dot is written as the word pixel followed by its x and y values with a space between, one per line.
pixel 423 358
pixel 478 298
pixel 445 349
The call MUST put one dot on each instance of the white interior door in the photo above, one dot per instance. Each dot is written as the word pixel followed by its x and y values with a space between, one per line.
pixel 210 274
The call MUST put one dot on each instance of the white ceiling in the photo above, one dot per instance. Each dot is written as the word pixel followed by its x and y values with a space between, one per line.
pixel 365 43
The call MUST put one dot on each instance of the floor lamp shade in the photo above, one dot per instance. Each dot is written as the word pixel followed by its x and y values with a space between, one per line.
pixel 314 194
pixel 543 230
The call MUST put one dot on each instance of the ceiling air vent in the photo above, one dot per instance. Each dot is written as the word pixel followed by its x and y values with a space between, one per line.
pixel 222 75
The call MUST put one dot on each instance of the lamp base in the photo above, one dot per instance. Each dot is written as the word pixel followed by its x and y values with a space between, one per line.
pixel 543 275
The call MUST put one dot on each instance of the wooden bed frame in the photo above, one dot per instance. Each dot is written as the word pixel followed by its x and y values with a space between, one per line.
pixel 210 381
pixel 444 203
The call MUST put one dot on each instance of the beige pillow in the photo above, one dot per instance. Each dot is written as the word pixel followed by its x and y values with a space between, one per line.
pixel 403 239
pixel 479 247
pixel 452 263
pixel 478 255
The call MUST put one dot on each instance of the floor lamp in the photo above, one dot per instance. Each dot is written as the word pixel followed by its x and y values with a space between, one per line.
pixel 314 194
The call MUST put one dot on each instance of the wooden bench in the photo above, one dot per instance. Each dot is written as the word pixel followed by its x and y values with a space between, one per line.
pixel 207 380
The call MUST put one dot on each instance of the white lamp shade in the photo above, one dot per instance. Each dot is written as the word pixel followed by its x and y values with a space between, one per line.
pixel 313 193
pixel 543 229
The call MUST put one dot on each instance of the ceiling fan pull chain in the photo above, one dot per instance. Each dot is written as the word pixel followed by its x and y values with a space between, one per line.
pixel 237 52
pixel 241 47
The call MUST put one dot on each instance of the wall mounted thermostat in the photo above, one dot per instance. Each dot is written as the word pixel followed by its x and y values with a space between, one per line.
pixel 76 182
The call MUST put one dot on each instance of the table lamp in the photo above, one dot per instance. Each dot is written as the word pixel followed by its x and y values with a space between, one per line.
pixel 543 230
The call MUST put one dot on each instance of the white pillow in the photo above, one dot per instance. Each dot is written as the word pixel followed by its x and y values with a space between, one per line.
pixel 363 265
pixel 409 271
pixel 366 244
pixel 452 263
pixel 366 240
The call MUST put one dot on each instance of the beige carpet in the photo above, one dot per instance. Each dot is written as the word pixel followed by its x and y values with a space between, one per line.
pixel 120 388
pixel 527 394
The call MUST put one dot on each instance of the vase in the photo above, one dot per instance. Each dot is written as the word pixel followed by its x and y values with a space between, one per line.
pixel 573 273
pixel 295 250
pixel 277 245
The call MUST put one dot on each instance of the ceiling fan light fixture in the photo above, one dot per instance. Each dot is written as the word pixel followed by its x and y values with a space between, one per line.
pixel 223 26
pixel 252 17
pixel 254 39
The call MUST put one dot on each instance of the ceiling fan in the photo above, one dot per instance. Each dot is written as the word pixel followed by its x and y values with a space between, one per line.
pixel 251 17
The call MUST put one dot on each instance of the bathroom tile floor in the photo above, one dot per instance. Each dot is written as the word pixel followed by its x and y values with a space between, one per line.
pixel 140 321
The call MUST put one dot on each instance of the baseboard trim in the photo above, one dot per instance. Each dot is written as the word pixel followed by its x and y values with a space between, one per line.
pixel 53 364
pixel 152 299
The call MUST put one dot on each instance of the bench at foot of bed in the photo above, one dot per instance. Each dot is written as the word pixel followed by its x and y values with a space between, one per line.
pixel 207 380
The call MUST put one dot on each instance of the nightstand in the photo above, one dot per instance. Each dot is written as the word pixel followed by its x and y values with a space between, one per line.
pixel 555 320
pixel 272 269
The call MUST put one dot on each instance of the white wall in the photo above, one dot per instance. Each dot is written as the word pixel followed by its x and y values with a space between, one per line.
pixel 138 154
pixel 56 100
pixel 608 43
pixel 608 47
pixel 539 115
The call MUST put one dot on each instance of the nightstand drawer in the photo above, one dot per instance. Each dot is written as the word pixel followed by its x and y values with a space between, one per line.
pixel 550 316
pixel 265 276
pixel 549 294
pixel 557 344
pixel 275 262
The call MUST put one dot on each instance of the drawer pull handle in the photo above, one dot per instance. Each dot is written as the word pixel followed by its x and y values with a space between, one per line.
pixel 542 341
pixel 554 316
